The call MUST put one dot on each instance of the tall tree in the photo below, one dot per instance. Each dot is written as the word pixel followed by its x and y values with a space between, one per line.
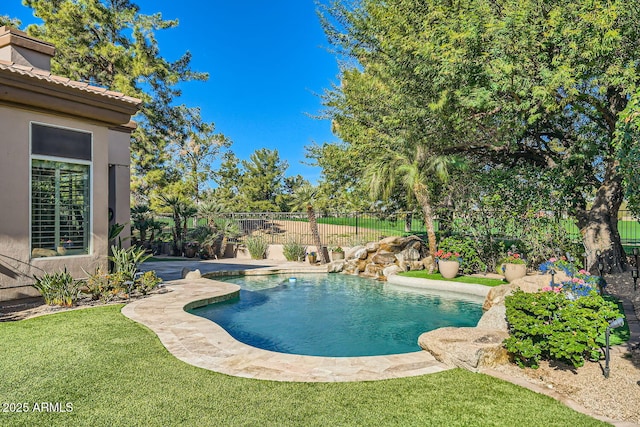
pixel 109 43
pixel 262 180
pixel 303 199
pixel 552 84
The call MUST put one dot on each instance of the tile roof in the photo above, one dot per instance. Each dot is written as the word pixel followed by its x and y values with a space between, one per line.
pixel 64 81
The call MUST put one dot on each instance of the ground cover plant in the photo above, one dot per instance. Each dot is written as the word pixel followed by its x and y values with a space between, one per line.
pixel 116 372
pixel 424 274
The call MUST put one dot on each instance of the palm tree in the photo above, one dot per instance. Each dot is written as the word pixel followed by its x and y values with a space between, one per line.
pixel 414 167
pixel 181 212
pixel 304 198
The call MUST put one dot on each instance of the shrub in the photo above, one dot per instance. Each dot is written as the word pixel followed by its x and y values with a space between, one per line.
pixel 58 288
pixel 257 247
pixel 466 247
pixel 126 261
pixel 103 286
pixel 294 250
pixel 550 325
pixel 147 282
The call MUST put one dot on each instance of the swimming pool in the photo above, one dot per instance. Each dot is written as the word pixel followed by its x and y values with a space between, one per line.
pixel 336 315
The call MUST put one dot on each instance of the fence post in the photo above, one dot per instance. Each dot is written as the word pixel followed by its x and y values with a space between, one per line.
pixel 356 223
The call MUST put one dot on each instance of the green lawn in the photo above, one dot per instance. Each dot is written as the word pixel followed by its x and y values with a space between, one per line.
pixel 423 274
pixel 115 372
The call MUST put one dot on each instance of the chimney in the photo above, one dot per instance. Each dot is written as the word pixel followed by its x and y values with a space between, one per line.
pixel 20 48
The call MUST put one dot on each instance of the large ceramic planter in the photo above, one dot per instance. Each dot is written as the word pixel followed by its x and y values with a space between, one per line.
pixel 312 258
pixel 448 269
pixel 514 271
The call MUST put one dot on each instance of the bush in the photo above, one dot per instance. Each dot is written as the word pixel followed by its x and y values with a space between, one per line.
pixel 257 247
pixel 553 325
pixel 466 247
pixel 126 261
pixel 58 288
pixel 294 250
pixel 107 287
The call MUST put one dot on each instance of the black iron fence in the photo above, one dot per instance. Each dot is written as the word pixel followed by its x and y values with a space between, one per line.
pixel 353 228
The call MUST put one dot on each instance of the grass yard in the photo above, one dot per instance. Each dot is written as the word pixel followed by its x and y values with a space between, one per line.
pixel 115 372
pixel 423 274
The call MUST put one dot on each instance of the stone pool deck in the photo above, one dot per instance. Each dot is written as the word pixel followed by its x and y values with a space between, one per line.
pixel 203 343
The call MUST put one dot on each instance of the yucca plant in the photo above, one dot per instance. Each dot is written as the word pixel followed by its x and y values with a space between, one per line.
pixel 257 247
pixel 58 288
pixel 127 260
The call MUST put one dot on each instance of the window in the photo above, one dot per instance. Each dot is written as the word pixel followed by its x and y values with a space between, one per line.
pixel 60 193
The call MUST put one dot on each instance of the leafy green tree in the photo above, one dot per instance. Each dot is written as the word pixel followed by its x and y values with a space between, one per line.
pixel 9 22
pixel 262 180
pixel 109 43
pixel 193 154
pixel 547 85
pixel 228 179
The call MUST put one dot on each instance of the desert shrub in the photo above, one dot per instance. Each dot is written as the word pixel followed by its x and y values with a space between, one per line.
pixel 146 282
pixel 293 250
pixel 126 261
pixel 103 286
pixel 466 247
pixel 561 323
pixel 257 247
pixel 58 288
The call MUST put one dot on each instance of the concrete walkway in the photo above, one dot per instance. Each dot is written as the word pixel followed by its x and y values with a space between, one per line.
pixel 203 343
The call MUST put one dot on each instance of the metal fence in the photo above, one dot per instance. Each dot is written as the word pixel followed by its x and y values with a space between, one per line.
pixel 353 228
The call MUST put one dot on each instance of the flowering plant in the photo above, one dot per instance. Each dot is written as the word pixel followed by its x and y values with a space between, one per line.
pixel 513 258
pixel 447 256
pixel 581 283
pixel 559 264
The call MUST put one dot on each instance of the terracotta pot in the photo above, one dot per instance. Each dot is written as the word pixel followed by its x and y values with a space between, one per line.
pixel 312 259
pixel 514 271
pixel 448 269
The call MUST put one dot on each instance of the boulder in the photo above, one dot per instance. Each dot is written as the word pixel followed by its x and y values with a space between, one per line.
pixel 494 318
pixel 373 270
pixel 336 266
pixel 372 246
pixel 353 252
pixel 391 270
pixel 531 283
pixel 409 254
pixel 191 275
pixel 383 257
pixel 468 348
pixel 361 253
pixel 415 265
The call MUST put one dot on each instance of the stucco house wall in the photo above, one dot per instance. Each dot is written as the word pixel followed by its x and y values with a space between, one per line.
pixel 30 94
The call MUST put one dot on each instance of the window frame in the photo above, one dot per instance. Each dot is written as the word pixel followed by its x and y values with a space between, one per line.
pixel 53 158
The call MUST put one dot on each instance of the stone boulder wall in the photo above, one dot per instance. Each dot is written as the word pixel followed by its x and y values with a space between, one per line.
pixel 468 348
pixel 386 257
pixel 532 283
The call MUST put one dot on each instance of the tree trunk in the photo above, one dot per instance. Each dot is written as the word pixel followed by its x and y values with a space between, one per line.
pixel 599 227
pixel 313 224
pixel 422 195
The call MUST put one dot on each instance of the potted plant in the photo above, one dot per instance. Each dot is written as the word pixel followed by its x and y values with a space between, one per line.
pixel 448 263
pixel 191 249
pixel 513 266
pixel 312 257
pixel 337 253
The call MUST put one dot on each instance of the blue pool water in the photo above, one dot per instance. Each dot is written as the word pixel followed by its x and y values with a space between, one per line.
pixel 336 315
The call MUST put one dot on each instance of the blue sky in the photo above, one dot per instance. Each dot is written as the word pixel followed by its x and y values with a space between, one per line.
pixel 267 61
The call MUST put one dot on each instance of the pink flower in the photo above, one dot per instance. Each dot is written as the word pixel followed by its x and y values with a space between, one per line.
pixel 553 259
pixel 546 289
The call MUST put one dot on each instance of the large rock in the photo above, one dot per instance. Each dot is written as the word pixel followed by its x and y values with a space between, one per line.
pixel 391 270
pixel 531 283
pixel 468 348
pixel 191 275
pixel 495 318
pixel 355 252
pixel 372 246
pixel 336 266
pixel 408 254
pixel 384 258
pixel 429 264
